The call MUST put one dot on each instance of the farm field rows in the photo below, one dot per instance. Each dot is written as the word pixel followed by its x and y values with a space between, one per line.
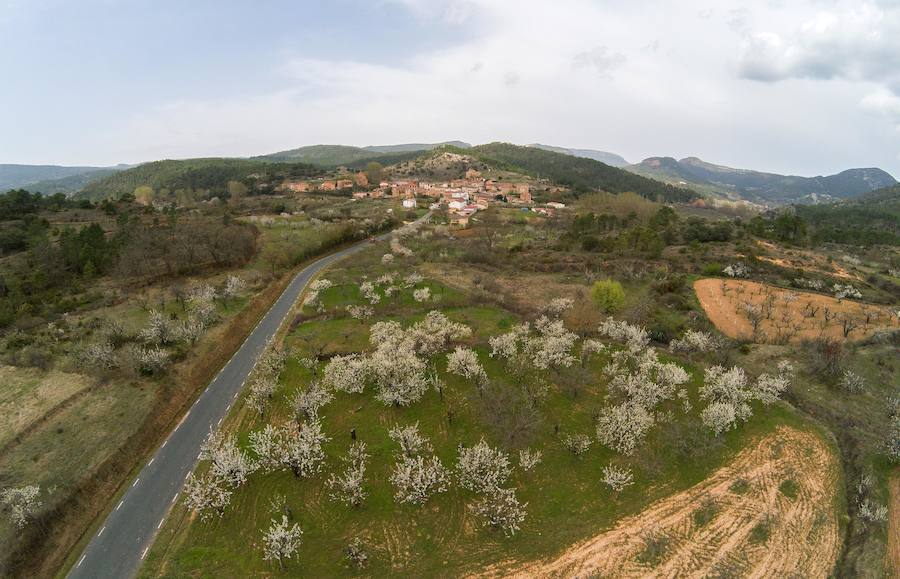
pixel 750 310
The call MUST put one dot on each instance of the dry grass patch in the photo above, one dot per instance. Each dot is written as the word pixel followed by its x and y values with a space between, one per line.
pixel 764 313
pixel 28 394
pixel 754 529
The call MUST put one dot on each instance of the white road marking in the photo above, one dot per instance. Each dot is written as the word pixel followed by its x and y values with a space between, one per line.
pixel 101 531
pixel 80 561
pixel 120 504
pixel 219 423
pixel 165 442
pixel 151 461
pixel 144 554
pixel 135 482
pixel 161 521
pixel 175 497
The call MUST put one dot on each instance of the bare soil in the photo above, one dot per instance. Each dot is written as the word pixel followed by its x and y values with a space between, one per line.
pixel 756 528
pixel 787 315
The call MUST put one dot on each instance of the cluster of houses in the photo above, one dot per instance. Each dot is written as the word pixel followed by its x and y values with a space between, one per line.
pixel 462 197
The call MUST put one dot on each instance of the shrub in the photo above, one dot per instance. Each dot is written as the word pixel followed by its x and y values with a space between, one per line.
pixel 712 269
pixel 608 295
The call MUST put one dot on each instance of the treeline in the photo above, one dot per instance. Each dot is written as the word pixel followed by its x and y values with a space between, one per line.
pixel 208 177
pixel 19 220
pixel 577 173
pixel 54 275
pixel 872 219
pixel 609 233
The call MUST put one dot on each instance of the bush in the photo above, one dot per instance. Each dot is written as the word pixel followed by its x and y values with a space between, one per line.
pixel 608 295
pixel 712 269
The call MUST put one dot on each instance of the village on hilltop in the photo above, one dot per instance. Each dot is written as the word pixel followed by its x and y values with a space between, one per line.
pixel 462 197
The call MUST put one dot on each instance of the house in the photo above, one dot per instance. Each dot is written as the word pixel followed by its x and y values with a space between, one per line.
pixel 360 194
pixel 361 179
pixel 409 203
pixel 526 196
pixel 473 174
pixel 459 220
pixel 328 186
pixel 344 184
pixel 299 186
pixel 556 205
pixel 456 205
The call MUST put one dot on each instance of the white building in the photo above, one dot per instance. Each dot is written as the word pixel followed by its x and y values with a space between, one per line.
pixel 409 203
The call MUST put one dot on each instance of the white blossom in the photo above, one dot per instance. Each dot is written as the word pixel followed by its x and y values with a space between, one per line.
pixel 623 427
pixel 281 541
pixel 387 258
pixel 347 487
pixel 368 291
pixel 360 312
pixel 412 280
pixel 22 503
pixel 464 362
pixel 207 495
pixel 422 294
pixel 635 337
pixel 97 355
pixel 617 478
pixel 577 444
pixel 153 359
pixel 558 306
pixel 231 465
pixel 415 479
pixel 307 402
pixel 234 285
pixel 411 442
pixel 694 341
pixel 347 373
pixel 481 468
pixel 159 330
pixel 737 270
pixel 501 509
pixel 528 459
pixel 552 348
pixel 843 291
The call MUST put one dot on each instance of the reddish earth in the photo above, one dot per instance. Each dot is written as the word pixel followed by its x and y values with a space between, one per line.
pixel 791 315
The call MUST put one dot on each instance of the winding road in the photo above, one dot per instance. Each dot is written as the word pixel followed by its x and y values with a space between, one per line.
pixel 118 548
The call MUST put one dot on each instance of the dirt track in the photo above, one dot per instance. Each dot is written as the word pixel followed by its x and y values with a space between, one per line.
pixel 802 538
pixel 790 316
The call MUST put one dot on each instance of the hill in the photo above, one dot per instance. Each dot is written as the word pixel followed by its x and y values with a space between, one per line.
pixel 14 176
pixel 338 155
pixel 71 184
pixel 578 173
pixel 759 186
pixel 210 176
pixel 872 218
pixel 611 159
pixel 409 147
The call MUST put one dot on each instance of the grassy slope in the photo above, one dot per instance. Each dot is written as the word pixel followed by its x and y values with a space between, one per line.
pixel 566 500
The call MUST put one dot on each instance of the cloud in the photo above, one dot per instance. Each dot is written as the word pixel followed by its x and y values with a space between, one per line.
pixel 534 71
pixel 855 41
pixel 601 59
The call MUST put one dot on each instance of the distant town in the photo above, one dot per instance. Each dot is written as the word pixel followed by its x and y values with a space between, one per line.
pixel 462 197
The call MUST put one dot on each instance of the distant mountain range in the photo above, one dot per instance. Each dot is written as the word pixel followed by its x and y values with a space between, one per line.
pixel 761 187
pixel 689 173
pixel 50 178
pixel 610 159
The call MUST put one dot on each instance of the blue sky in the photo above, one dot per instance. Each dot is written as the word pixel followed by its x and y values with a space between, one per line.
pixel 806 87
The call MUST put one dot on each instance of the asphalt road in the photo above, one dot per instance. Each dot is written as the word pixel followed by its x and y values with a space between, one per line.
pixel 118 548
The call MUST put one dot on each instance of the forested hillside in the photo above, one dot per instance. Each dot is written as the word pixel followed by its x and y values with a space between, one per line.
pixel 873 218
pixel 579 174
pixel 210 176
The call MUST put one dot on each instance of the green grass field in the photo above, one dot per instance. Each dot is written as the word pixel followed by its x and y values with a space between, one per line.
pixel 566 498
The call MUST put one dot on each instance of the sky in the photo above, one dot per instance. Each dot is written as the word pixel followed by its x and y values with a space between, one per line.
pixel 802 87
